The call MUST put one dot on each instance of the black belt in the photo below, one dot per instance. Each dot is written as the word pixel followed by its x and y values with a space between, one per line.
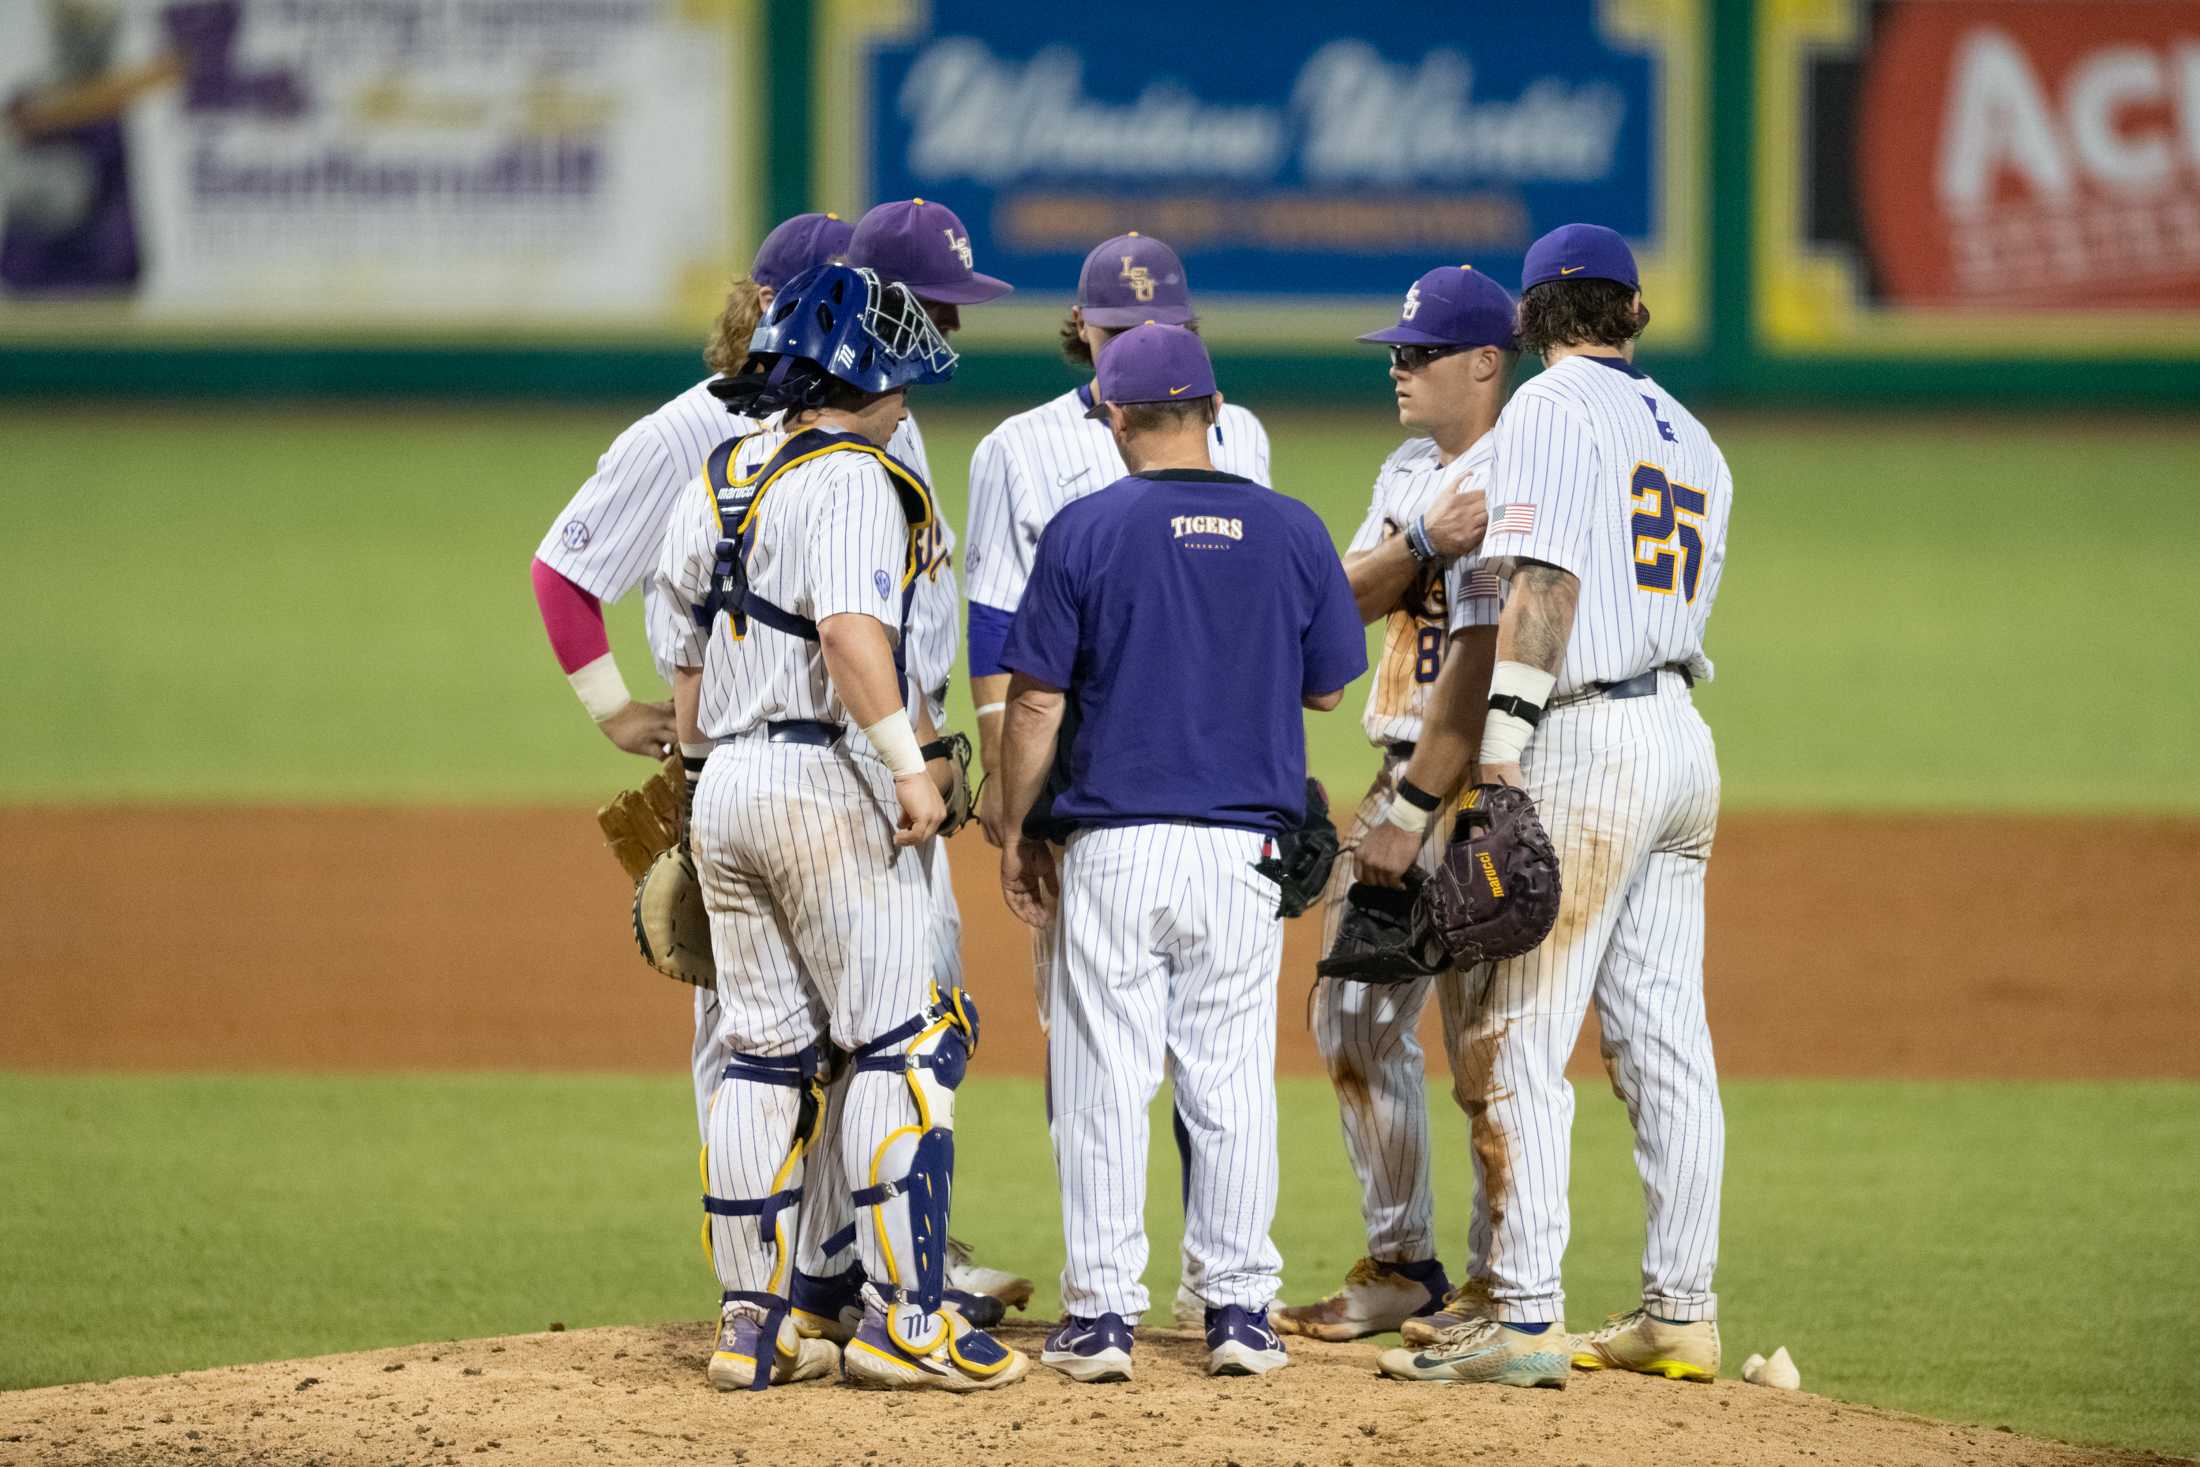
pixel 803 731
pixel 1641 685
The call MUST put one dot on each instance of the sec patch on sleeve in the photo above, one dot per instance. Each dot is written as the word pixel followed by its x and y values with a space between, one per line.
pixel 884 583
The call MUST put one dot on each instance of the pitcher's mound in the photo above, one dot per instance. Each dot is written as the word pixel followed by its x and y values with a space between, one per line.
pixel 636 1394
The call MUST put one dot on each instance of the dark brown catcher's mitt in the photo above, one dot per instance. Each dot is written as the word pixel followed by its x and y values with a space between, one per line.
pixel 1495 895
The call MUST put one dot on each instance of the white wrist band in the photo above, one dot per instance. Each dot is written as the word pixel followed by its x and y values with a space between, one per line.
pixel 1504 738
pixel 696 751
pixel 987 710
pixel 600 688
pixel 1407 816
pixel 896 743
pixel 1505 735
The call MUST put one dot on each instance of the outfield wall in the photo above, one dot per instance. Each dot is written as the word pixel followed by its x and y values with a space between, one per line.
pixel 1947 201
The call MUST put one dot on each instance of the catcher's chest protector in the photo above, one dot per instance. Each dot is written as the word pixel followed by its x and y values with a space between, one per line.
pixel 740 500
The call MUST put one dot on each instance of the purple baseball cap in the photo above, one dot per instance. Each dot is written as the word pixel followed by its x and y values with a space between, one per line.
pixel 796 245
pixel 1131 279
pixel 1453 305
pixel 1580 252
pixel 1155 362
pixel 924 246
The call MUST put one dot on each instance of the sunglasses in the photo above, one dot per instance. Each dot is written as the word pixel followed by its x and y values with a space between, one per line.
pixel 1414 358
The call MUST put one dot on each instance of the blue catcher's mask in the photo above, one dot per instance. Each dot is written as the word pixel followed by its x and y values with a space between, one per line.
pixel 842 323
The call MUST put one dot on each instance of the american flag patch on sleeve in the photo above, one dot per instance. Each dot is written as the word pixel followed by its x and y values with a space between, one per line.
pixel 1513 519
pixel 1480 583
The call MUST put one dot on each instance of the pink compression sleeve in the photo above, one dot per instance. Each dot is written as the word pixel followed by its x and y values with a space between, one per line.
pixel 572 617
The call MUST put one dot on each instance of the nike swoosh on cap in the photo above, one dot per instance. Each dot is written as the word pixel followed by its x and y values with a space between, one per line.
pixel 1570 269
pixel 1175 390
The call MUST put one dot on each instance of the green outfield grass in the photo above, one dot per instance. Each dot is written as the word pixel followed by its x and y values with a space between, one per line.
pixel 2022 1255
pixel 298 604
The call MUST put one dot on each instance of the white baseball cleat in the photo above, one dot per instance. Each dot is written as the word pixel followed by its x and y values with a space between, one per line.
pixel 1485 1352
pixel 1640 1341
pixel 1377 1298
pixel 968 1277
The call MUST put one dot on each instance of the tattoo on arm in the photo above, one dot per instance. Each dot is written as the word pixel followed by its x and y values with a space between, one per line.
pixel 1541 615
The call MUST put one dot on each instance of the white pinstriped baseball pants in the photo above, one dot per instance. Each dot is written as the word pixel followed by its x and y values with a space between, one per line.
pixel 819 925
pixel 1629 791
pixel 1366 1035
pixel 1169 945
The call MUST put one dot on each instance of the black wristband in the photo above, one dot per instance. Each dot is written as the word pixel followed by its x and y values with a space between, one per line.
pixel 937 749
pixel 1418 543
pixel 1518 707
pixel 1414 795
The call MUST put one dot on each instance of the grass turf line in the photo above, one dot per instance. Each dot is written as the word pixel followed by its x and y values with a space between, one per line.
pixel 1927 1247
pixel 290 607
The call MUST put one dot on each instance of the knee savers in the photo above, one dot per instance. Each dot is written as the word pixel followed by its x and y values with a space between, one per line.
pixel 912 1172
pixel 775 1231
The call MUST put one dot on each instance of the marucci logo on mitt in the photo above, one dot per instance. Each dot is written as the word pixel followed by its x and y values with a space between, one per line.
pixel 1494 895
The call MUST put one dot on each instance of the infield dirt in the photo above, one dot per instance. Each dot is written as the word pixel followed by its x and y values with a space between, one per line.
pixel 368 939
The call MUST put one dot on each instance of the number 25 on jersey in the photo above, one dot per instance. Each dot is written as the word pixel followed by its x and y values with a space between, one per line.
pixel 1666 512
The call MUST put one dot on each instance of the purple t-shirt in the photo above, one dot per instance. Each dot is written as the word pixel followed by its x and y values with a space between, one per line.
pixel 1186 613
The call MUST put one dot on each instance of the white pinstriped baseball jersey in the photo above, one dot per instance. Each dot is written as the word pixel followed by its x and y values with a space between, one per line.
pixel 1414 638
pixel 607 538
pixel 830 538
pixel 1026 469
pixel 1600 473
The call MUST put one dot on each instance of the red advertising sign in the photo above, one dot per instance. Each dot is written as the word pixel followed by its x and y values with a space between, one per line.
pixel 2041 155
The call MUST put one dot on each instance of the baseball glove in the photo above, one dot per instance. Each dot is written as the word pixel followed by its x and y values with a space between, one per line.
pixel 961 797
pixel 1386 936
pixel 1303 856
pixel 1495 894
pixel 640 823
pixel 670 926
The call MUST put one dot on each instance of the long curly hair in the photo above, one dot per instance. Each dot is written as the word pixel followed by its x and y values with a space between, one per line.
pixel 728 346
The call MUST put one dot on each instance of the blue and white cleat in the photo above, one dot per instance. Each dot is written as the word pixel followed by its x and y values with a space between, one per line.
pixel 1241 1342
pixel 1090 1350
pixel 733 1359
pixel 953 1357
pixel 1485 1352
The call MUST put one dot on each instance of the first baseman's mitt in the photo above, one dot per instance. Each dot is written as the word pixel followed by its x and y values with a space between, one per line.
pixel 670 926
pixel 961 798
pixel 1495 894
pixel 1303 856
pixel 645 829
pixel 1386 935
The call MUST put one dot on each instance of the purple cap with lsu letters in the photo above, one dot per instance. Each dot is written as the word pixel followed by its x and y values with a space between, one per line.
pixel 1155 362
pixel 1579 252
pixel 796 245
pixel 925 247
pixel 1132 279
pixel 1453 305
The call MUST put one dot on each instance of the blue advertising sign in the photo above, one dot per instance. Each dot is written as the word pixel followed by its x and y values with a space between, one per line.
pixel 1281 157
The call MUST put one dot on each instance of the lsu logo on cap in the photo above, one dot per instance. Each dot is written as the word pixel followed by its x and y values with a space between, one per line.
pixel 1413 302
pixel 960 244
pixel 1140 278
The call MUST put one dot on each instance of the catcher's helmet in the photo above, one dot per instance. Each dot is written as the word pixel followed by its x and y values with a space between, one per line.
pixel 837 323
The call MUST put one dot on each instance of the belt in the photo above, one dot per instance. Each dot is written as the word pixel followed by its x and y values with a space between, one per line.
pixel 1399 748
pixel 1641 685
pixel 803 731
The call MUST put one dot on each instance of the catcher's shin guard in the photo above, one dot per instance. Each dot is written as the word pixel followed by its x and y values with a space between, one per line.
pixel 775 1229
pixel 912 1172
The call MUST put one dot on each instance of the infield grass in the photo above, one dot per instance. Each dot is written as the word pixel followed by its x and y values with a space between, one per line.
pixel 1930 1247
pixel 301 605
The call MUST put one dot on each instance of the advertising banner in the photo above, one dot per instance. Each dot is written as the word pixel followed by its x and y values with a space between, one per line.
pixel 399 167
pixel 1297 156
pixel 1959 175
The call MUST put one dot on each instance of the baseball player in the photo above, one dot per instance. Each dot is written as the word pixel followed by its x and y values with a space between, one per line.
pixel 799 551
pixel 1033 464
pixel 1451 356
pixel 1608 516
pixel 923 245
pixel 608 536
pixel 1188 614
